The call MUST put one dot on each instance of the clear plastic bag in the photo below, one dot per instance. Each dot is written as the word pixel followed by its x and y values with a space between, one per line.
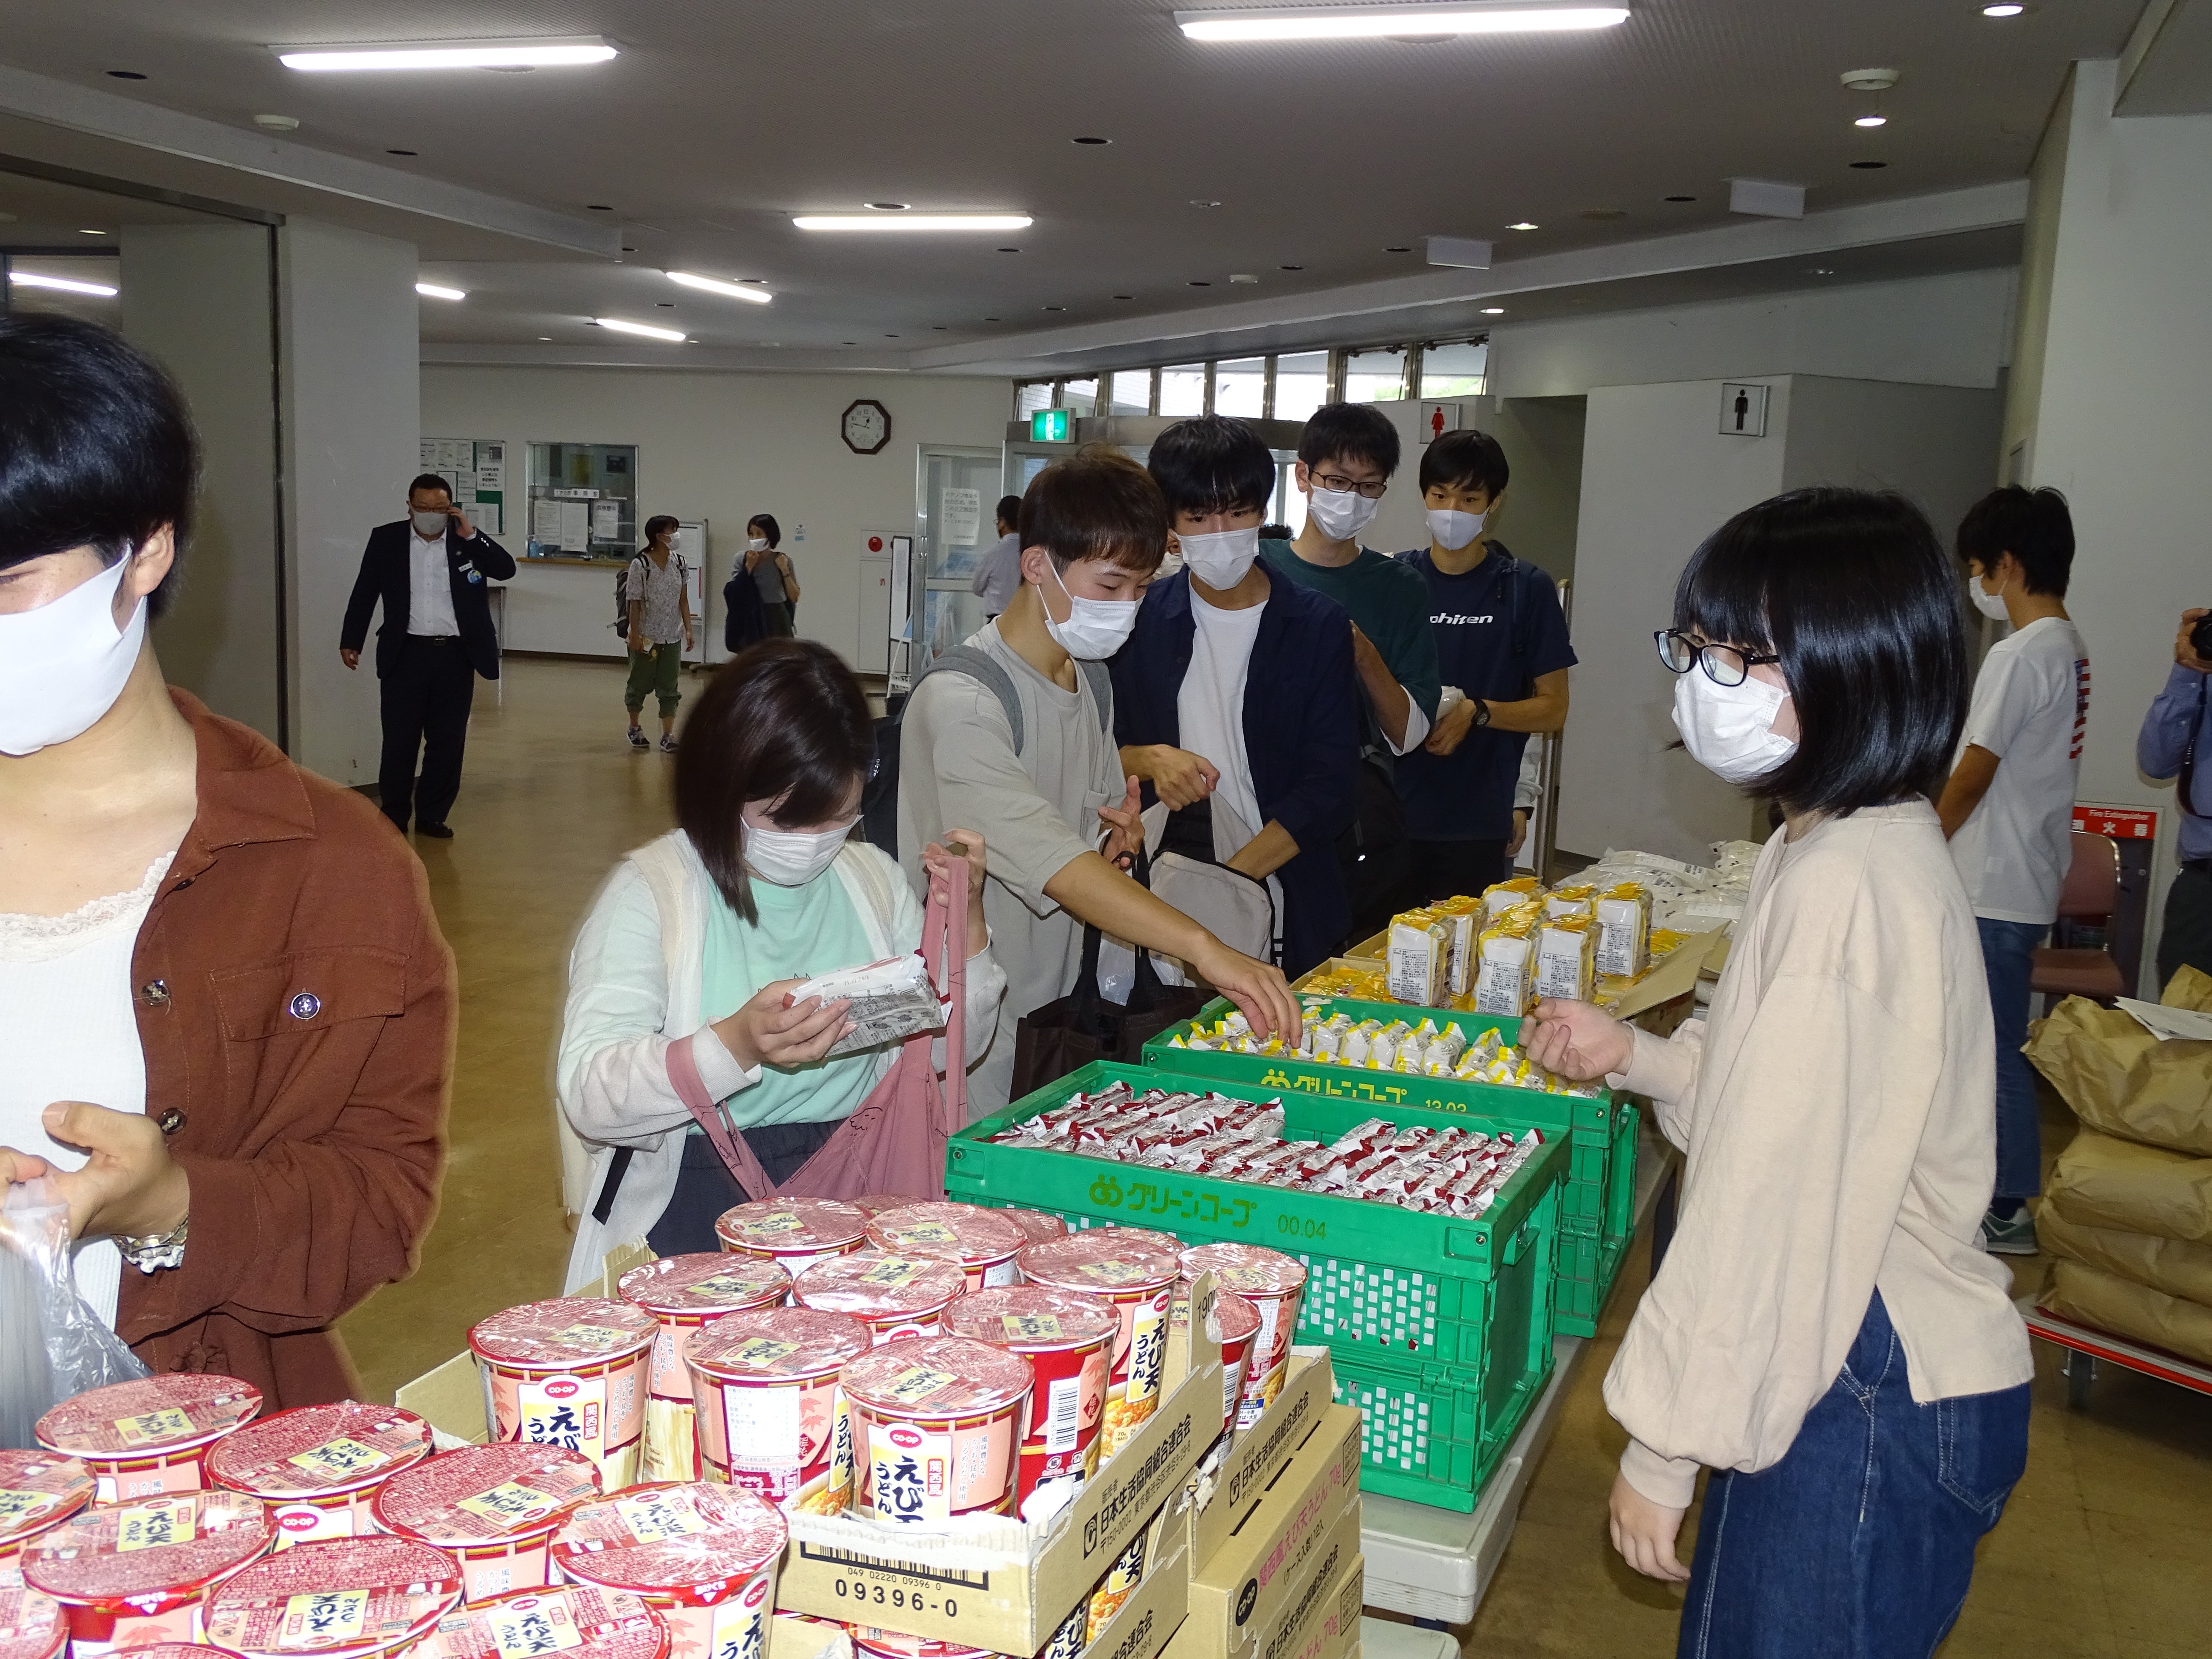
pixel 892 1000
pixel 52 1345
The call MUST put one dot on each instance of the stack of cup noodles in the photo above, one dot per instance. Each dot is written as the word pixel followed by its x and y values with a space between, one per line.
pixel 684 1293
pixel 151 1436
pixel 894 1295
pixel 797 1232
pixel 937 1428
pixel 704 1556
pixel 1236 1323
pixel 39 1490
pixel 318 1468
pixel 583 1621
pixel 981 1242
pixel 1135 1269
pixel 572 1372
pixel 1275 1283
pixel 494 1509
pixel 32 1625
pixel 361 1598
pixel 1068 1341
pixel 771 1416
pixel 142 1570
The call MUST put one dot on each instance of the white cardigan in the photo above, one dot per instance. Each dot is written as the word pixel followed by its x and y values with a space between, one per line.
pixel 633 989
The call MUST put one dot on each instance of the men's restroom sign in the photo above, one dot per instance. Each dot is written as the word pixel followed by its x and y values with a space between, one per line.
pixel 1744 409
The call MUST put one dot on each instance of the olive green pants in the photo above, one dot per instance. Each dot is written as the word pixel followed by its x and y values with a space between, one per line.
pixel 654 671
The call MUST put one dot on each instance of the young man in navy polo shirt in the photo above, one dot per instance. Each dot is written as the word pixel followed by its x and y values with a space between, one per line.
pixel 1502 640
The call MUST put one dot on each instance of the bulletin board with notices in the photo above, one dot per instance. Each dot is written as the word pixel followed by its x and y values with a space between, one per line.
pixel 474 470
pixel 583 500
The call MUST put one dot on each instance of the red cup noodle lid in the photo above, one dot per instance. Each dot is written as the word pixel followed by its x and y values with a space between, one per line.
pixel 585 1621
pixel 873 1285
pixel 686 1540
pixel 790 1226
pixel 149 1547
pixel 776 1345
pixel 706 1282
pixel 1031 1318
pixel 1248 1269
pixel 1036 1226
pixel 966 1233
pixel 32 1625
pixel 570 1330
pixel 335 1597
pixel 876 1203
pixel 1238 1319
pixel 175 1410
pixel 317 1449
pixel 481 1494
pixel 39 1489
pixel 1105 1261
pixel 938 1377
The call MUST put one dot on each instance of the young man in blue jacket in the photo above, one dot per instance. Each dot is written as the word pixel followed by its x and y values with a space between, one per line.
pixel 1236 701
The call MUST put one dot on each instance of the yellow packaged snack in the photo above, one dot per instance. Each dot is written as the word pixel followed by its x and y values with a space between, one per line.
pixel 1624 929
pixel 1504 894
pixel 1566 957
pixel 1420 958
pixel 1570 901
pixel 1506 973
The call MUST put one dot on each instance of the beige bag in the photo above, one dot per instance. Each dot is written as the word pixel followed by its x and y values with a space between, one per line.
pixel 2121 1079
pixel 2101 1299
pixel 2102 1181
pixel 2174 1266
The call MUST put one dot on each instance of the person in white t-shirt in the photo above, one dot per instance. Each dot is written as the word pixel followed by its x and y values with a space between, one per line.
pixel 2008 806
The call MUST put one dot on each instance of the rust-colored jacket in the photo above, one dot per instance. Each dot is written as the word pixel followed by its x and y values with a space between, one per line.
pixel 296 1003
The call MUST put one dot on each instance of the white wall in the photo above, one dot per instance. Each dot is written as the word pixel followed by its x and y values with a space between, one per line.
pixel 1542 439
pixel 1938 444
pixel 721 447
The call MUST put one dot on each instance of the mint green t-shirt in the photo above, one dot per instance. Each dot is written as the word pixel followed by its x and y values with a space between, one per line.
pixel 802 932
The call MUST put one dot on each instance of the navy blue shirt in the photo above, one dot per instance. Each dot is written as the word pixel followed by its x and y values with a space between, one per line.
pixel 1497 629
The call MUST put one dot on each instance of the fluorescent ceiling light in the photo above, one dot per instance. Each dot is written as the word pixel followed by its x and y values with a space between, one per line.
pixel 1524 225
pixel 529 54
pixel 913 221
pixel 2003 10
pixel 433 291
pixel 1871 121
pixel 1373 22
pixel 759 296
pixel 646 329
pixel 67 285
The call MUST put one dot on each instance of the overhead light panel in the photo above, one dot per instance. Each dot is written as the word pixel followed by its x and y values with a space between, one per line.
pixel 435 291
pixel 912 220
pixel 645 328
pixel 1524 225
pixel 550 51
pixel 63 284
pixel 1871 121
pixel 759 296
pixel 1382 22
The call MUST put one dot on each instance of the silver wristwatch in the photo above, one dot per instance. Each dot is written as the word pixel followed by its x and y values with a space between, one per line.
pixel 153 1251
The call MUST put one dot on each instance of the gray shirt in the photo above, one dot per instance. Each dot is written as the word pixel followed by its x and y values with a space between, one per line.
pixel 768 576
pixel 1000 574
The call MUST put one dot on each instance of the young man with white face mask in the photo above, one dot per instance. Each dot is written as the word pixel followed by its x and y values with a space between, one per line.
pixel 2008 806
pixel 1236 701
pixel 1054 805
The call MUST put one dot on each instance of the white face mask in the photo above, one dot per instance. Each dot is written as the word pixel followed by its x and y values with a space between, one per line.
pixel 791 858
pixel 1341 514
pixel 757 545
pixel 1094 628
pixel 1991 605
pixel 1221 559
pixel 427 525
pixel 1454 530
pixel 1729 729
pixel 62 665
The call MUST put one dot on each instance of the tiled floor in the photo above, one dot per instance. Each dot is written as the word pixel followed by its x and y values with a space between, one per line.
pixel 2105 1549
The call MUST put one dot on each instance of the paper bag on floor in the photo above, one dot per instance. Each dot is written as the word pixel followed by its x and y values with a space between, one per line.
pixel 2175 1266
pixel 2121 1079
pixel 2111 1304
pixel 2102 1181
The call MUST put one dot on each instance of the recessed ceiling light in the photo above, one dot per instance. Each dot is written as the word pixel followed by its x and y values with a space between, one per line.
pixel 1203 202
pixel 646 329
pixel 1494 311
pixel 599 207
pixel 403 152
pixel 912 221
pixel 1199 284
pixel 277 123
pixel 1010 250
pixel 890 337
pixel 1394 249
pixel 437 291
pixel 1371 22
pixel 1290 267
pixel 757 296
pixel 2009 9
pixel 1821 271
pixel 890 207
pixel 1870 167
pixel 1125 296
pixel 664 304
pixel 628 249
pixel 546 338
pixel 848 343
pixel 568 49
pixel 1090 141
pixel 92 233
pixel 1678 198
pixel 126 74
pixel 990 319
pixel 1243 277
pixel 1055 307
pixel 938 328
pixel 66 285
pixel 1871 121
pixel 1526 224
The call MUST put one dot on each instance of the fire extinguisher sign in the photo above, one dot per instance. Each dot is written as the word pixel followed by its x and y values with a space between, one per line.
pixel 2120 822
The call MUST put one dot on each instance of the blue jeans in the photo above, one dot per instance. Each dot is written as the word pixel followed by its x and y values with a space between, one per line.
pixel 1858 1544
pixel 2007 952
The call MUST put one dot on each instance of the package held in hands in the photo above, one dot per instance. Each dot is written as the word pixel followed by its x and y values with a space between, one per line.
pixel 1420 958
pixel 1624 929
pixel 892 1000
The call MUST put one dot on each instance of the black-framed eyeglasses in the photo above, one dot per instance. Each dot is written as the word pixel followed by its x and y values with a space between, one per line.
pixel 1372 488
pixel 1724 665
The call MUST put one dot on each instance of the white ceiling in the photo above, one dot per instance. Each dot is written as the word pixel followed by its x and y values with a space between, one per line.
pixel 718 120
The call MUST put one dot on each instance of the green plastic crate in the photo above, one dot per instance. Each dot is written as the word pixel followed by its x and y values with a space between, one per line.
pixel 1593 1242
pixel 1588 1265
pixel 1431 1436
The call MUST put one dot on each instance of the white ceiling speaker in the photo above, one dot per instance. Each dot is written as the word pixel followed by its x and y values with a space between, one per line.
pixel 1870 80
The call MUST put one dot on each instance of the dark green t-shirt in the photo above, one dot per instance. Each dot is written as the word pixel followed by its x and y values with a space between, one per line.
pixel 1390 603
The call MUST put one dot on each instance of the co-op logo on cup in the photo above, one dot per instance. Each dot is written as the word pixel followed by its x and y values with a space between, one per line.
pixel 561 1387
pixel 298 1520
pixel 757 1594
pixel 904 1439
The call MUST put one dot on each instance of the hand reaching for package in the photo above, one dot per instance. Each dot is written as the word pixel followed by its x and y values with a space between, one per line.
pixel 128 1186
pixel 1578 1041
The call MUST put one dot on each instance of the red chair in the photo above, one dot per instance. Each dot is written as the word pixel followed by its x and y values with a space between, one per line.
pixel 2091 894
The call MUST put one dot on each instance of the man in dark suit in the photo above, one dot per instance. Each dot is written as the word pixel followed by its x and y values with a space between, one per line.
pixel 430 570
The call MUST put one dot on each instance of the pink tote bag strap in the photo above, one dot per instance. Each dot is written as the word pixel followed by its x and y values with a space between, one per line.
pixel 737 1158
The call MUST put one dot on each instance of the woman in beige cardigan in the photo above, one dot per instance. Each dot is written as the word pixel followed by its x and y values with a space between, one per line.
pixel 1825 1334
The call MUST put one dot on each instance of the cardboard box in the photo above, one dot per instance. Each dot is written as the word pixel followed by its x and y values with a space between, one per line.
pixel 1321 1620
pixel 1245 1585
pixel 1258 1454
pixel 1154 1611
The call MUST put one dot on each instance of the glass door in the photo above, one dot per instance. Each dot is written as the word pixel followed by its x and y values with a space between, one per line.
pixel 956 501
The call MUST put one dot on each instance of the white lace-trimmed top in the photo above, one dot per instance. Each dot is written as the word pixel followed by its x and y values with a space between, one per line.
pixel 69 1030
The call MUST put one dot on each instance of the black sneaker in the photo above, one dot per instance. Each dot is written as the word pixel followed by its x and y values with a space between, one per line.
pixel 668 745
pixel 436 831
pixel 639 741
pixel 2013 1234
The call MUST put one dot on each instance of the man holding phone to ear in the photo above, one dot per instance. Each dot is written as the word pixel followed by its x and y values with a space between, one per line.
pixel 431 569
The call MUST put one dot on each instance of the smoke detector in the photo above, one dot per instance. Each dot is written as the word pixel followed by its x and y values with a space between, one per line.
pixel 1870 80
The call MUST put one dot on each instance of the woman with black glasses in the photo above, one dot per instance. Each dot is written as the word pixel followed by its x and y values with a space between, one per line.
pixel 1825 1334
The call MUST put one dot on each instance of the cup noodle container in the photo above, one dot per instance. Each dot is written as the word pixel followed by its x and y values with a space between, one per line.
pixel 797 1232
pixel 572 1373
pixel 1136 1270
pixel 1068 1341
pixel 771 1417
pixel 39 1490
pixel 982 1241
pixel 363 1598
pixel 319 1466
pixel 494 1509
pixel 1036 1226
pixel 875 1204
pixel 32 1625
pixel 938 1423
pixel 142 1570
pixel 1275 1283
pixel 151 1436
pixel 584 1621
pixel 684 1293
pixel 894 1295
pixel 1240 1323
pixel 870 1643
pixel 705 1557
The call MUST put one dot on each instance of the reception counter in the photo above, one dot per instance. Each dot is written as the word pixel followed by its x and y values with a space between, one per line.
pixel 566 606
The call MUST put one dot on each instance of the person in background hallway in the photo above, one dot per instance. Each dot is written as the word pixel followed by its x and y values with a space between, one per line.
pixel 2009 807
pixel 226 1008
pixel 1000 572
pixel 429 570
pixel 771 569
pixel 658 595
pixel 2176 737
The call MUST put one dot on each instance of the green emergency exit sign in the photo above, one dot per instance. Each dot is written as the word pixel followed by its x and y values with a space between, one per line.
pixel 1049 426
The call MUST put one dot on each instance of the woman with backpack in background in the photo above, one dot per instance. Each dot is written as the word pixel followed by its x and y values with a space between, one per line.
pixel 657 595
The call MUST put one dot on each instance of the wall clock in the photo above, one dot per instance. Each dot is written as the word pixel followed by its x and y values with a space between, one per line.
pixel 866 426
